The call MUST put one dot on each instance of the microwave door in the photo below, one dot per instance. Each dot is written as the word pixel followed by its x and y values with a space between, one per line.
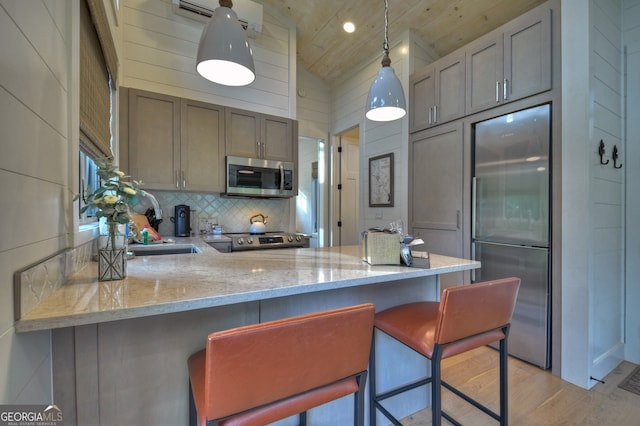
pixel 244 177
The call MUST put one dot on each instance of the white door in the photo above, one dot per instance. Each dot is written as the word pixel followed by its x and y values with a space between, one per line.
pixel 350 193
pixel 347 198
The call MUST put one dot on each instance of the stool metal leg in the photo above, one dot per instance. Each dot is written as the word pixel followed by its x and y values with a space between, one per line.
pixel 504 394
pixel 372 381
pixel 193 415
pixel 358 398
pixel 436 386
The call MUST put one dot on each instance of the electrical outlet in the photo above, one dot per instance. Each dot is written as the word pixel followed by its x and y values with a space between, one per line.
pixel 379 214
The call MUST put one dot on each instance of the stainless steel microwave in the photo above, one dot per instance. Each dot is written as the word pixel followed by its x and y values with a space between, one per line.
pixel 253 177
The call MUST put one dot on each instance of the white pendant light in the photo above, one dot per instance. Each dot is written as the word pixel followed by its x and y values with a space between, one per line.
pixel 386 97
pixel 224 54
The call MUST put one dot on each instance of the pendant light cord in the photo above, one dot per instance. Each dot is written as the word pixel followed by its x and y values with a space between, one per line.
pixel 386 60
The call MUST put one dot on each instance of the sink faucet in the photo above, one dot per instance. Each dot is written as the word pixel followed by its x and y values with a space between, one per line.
pixel 154 202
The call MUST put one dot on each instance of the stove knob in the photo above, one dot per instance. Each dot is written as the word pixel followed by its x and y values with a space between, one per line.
pixel 240 241
pixel 298 238
pixel 290 238
pixel 249 240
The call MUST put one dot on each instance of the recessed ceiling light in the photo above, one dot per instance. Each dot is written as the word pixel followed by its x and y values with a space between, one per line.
pixel 349 27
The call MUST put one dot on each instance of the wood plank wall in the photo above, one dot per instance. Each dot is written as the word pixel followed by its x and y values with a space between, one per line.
pixel 35 147
pixel 159 53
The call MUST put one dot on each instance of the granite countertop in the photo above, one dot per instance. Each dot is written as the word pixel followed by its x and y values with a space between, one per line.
pixel 173 283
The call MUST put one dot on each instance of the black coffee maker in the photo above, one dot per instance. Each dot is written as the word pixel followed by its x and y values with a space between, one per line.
pixel 182 220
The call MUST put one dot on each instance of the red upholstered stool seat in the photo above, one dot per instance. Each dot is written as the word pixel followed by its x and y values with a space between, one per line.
pixel 258 374
pixel 467 317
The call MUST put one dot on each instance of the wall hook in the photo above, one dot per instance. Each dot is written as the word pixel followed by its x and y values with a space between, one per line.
pixel 601 153
pixel 614 156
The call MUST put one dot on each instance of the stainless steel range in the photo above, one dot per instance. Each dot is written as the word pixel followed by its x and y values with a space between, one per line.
pixel 269 240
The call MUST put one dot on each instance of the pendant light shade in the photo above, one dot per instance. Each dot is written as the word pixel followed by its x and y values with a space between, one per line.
pixel 224 54
pixel 386 98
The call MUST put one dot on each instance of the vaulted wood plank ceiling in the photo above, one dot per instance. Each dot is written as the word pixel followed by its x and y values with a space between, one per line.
pixel 327 51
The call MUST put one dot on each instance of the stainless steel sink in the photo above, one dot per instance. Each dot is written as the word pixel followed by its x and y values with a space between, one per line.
pixel 161 249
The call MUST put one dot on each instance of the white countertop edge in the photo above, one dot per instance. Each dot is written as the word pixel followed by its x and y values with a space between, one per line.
pixel 115 314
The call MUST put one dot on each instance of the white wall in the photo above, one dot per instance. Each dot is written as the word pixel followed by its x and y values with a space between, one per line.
pixel 348 99
pixel 313 106
pixel 592 272
pixel 35 91
pixel 631 165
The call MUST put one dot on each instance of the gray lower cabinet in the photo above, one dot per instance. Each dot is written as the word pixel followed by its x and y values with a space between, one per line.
pixel 174 144
pixel 436 191
pixel 510 63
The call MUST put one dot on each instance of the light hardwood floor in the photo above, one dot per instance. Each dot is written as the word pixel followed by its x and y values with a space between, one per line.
pixel 536 397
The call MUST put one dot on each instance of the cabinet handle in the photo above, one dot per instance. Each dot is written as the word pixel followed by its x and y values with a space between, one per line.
pixel 430 116
pixel 184 182
pixel 458 219
pixel 497 91
pixel 435 113
pixel 258 149
pixel 505 91
pixel 177 180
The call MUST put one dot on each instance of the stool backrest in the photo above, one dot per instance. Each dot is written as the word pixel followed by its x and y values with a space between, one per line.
pixel 476 308
pixel 254 365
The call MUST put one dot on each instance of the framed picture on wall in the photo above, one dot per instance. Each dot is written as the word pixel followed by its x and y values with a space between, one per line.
pixel 381 181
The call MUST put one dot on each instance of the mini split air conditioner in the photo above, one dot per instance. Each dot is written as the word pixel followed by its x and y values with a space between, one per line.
pixel 249 12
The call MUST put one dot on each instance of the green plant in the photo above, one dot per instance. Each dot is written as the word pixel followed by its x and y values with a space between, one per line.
pixel 114 198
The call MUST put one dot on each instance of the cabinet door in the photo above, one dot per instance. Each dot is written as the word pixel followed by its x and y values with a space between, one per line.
pixel 276 138
pixel 242 133
pixel 422 98
pixel 436 191
pixel 154 139
pixel 202 147
pixel 450 94
pixel 484 74
pixel 527 55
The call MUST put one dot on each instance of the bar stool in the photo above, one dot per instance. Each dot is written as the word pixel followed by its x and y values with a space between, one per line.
pixel 466 318
pixel 261 373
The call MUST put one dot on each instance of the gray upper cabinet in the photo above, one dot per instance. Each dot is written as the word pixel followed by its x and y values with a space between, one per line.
pixel 510 63
pixel 202 165
pixel 254 135
pixel 154 135
pixel 175 144
pixel 437 93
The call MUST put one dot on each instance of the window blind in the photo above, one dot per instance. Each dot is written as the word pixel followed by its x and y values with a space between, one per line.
pixel 95 79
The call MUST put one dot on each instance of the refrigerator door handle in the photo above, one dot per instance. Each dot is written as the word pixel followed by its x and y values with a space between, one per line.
pixel 473 256
pixel 474 207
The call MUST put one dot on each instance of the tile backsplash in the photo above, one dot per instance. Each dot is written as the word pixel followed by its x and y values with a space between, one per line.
pixel 232 213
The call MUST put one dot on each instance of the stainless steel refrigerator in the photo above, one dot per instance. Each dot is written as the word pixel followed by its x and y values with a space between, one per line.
pixel 510 214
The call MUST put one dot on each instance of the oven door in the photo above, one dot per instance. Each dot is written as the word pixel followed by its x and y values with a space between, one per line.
pixel 251 177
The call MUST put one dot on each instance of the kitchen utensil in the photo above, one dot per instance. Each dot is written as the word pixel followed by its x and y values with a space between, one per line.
pixel 150 213
pixel 258 226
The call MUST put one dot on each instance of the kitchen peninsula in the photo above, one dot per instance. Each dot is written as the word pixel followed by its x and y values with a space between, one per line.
pixel 120 347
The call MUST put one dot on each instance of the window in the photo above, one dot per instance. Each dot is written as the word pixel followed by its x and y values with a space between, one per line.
pixel 89 182
pixel 97 85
